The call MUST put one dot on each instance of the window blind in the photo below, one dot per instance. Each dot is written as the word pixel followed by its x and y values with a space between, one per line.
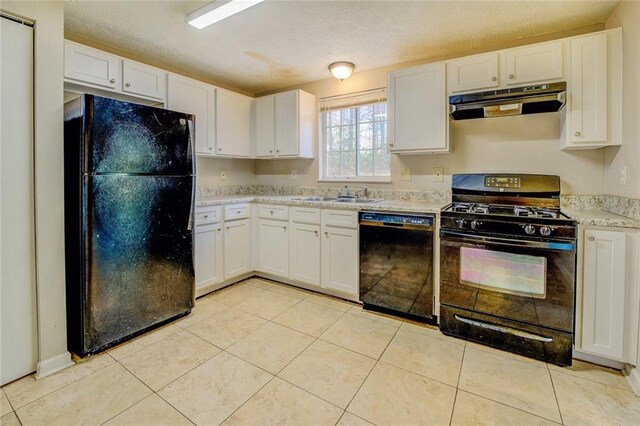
pixel 351 100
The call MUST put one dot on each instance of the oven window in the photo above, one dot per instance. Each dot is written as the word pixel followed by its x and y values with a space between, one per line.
pixel 511 273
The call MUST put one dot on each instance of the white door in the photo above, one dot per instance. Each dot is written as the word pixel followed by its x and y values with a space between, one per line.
pixel 287 131
pixel 603 293
pixel 233 124
pixel 340 262
pixel 237 248
pixel 264 126
pixel 473 73
pixel 588 88
pixel 143 80
pixel 273 247
pixel 534 63
pixel 18 315
pixel 305 253
pixel 190 96
pixel 417 109
pixel 91 66
pixel 208 255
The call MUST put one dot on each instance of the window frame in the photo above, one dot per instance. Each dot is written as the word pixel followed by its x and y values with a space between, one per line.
pixel 323 160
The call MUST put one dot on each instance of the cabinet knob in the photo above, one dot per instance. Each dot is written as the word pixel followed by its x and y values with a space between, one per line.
pixel 511 76
pixel 219 149
pixel 577 133
pixel 238 212
pixel 205 216
pixel 127 84
pixel 390 144
pixel 494 78
pixel 271 212
pixel 284 227
pixel 227 228
pixel 210 149
pixel 219 229
pixel 113 80
pixel 326 234
pixel 591 238
pixel 270 151
pixel 277 150
pixel 316 232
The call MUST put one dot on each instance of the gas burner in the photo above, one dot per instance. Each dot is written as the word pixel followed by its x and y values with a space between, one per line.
pixel 523 211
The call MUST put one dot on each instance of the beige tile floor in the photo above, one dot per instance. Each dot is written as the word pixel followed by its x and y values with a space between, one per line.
pixel 263 353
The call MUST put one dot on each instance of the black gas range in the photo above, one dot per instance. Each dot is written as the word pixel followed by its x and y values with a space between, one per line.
pixel 507 265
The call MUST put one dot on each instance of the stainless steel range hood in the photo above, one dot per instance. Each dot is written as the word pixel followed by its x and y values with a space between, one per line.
pixel 536 99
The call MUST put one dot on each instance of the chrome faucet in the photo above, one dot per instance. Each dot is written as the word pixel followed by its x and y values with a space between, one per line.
pixel 345 193
pixel 365 192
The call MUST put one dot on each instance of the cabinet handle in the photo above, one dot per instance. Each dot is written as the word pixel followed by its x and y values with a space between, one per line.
pixel 219 229
pixel 219 149
pixel 238 212
pixel 326 234
pixel 316 232
pixel 277 150
pixel 591 238
pixel 113 80
pixel 127 84
pixel 270 151
pixel 390 144
pixel 284 227
pixel 205 216
pixel 271 212
pixel 577 133
pixel 511 76
pixel 227 227
pixel 210 149
pixel 494 78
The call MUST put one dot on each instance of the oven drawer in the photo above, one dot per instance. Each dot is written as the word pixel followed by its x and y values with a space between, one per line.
pixel 524 339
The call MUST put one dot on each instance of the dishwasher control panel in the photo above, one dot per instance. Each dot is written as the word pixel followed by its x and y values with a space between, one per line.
pixel 396 219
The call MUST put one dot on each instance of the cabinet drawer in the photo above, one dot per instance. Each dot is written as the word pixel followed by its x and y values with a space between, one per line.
pixel 340 218
pixel 305 215
pixel 208 214
pixel 273 212
pixel 236 211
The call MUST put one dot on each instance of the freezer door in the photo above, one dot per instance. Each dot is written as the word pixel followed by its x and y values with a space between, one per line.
pixel 122 137
pixel 138 243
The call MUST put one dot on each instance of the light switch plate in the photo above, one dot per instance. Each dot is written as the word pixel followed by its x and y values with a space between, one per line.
pixel 623 175
pixel 438 174
pixel 223 175
pixel 405 174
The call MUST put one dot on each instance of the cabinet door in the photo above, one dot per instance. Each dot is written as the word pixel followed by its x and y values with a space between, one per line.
pixel 233 115
pixel 140 79
pixel 340 261
pixel 237 248
pixel 603 293
pixel 273 247
pixel 190 96
pixel 534 63
pixel 473 73
pixel 265 126
pixel 588 89
pixel 417 109
pixel 287 118
pixel 305 253
pixel 208 255
pixel 91 66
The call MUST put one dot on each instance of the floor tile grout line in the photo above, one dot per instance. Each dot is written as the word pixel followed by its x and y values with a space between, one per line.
pixel 453 408
pixel 7 398
pixel 417 374
pixel 248 399
pixel 555 395
pixel 455 397
pixel 591 380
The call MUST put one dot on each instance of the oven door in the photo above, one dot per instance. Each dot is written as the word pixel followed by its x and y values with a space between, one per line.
pixel 527 281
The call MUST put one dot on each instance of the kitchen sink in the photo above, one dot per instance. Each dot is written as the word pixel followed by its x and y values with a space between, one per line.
pixel 357 200
pixel 319 199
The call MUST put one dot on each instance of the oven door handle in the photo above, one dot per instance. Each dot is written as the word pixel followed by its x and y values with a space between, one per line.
pixel 466 238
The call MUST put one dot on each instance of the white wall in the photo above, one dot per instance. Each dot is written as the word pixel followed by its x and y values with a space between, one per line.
pixel 529 144
pixel 239 172
pixel 49 185
pixel 627 15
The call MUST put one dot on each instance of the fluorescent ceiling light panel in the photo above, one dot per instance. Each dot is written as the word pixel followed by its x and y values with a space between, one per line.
pixel 217 11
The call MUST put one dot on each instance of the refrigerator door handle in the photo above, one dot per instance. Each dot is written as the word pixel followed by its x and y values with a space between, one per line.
pixel 191 150
pixel 193 201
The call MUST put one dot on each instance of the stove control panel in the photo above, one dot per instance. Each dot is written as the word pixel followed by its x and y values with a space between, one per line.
pixel 502 182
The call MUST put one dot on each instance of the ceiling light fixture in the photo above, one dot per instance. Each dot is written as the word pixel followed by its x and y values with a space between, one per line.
pixel 217 11
pixel 341 70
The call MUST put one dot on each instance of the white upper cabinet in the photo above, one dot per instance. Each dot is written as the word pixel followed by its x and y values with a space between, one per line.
pixel 417 110
pixel 86 65
pixel 594 109
pixel 192 97
pixel 284 125
pixel 538 62
pixel 264 126
pixel 473 73
pixel 233 116
pixel 143 80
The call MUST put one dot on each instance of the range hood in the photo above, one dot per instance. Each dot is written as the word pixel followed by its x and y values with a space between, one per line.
pixel 536 99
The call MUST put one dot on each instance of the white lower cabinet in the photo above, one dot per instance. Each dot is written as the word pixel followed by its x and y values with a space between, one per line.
pixel 273 247
pixel 237 248
pixel 608 295
pixel 340 259
pixel 208 255
pixel 305 253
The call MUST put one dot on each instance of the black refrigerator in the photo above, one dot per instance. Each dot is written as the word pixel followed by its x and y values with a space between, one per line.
pixel 129 198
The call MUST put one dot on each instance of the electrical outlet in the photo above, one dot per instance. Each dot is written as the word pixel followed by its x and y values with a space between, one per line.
pixel 223 175
pixel 293 175
pixel 438 174
pixel 405 174
pixel 623 175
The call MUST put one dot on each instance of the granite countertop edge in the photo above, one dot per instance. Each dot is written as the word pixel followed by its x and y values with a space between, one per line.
pixel 384 205
pixel 601 218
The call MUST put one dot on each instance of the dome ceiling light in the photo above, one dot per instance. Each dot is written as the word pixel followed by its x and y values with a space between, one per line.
pixel 341 70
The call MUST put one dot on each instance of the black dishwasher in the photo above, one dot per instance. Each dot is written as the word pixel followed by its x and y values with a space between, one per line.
pixel 396 264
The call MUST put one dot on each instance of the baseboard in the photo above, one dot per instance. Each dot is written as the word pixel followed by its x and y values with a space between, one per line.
pixel 54 364
pixel 632 375
pixel 594 359
pixel 206 289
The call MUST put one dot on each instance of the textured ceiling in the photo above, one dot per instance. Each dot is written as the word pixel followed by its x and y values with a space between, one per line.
pixel 279 44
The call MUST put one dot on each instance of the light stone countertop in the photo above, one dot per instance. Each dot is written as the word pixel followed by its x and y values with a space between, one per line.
pixel 601 218
pixel 405 206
